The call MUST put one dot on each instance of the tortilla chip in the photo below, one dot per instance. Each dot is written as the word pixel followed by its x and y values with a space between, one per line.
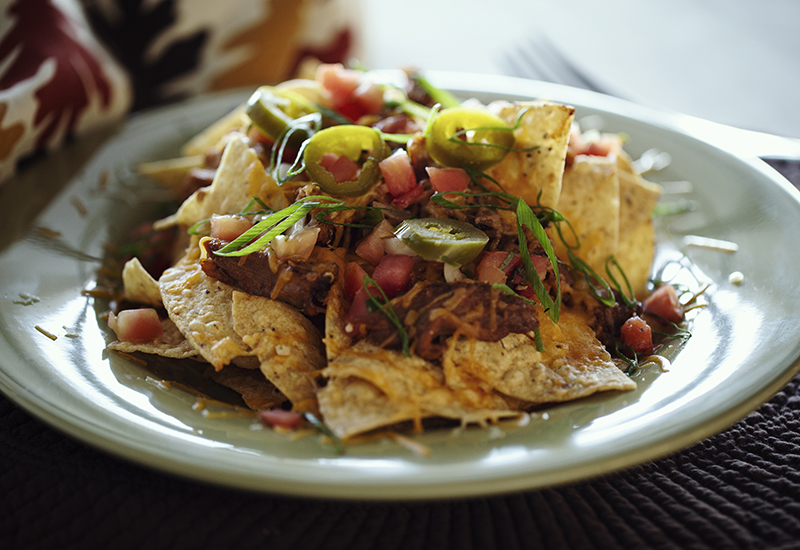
pixel 590 202
pixel 370 388
pixel 574 364
pixel 171 173
pixel 212 137
pixel 288 346
pixel 139 286
pixel 257 392
pixel 201 309
pixel 170 344
pixel 637 237
pixel 239 178
pixel 535 175
pixel 336 339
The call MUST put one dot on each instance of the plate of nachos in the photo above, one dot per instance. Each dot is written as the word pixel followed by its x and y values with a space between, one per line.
pixel 396 285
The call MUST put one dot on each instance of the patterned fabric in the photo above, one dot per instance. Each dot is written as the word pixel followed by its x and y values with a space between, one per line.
pixel 55 79
pixel 68 67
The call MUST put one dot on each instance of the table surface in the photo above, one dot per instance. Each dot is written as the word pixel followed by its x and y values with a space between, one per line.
pixel 738 489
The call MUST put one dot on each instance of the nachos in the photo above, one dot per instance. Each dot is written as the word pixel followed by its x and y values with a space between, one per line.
pixel 380 253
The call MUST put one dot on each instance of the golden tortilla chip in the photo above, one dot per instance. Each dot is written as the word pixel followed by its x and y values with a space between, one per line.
pixel 535 175
pixel 171 173
pixel 637 238
pixel 139 286
pixel 370 388
pixel 574 364
pixel 286 343
pixel 239 178
pixel 201 309
pixel 590 202
pixel 336 339
pixel 212 137
pixel 170 344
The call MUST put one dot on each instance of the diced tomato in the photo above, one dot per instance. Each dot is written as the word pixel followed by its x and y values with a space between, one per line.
pixel 136 324
pixel 338 81
pixel 341 167
pixel 358 310
pixel 409 198
pixel 228 227
pixel 488 269
pixel 398 173
pixel 280 418
pixel 495 267
pixel 605 145
pixel 636 334
pixel 540 264
pixel 664 303
pixel 370 96
pixel 342 84
pixel 350 108
pixel 353 279
pixel 448 179
pixel 393 274
pixel 371 248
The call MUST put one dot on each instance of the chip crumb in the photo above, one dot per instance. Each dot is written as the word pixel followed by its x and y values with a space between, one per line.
pixel 714 244
pixel 26 299
pixel 79 206
pixel 102 181
pixel 736 278
pixel 46 333
pixel 48 233
pixel 70 332
pixel 414 446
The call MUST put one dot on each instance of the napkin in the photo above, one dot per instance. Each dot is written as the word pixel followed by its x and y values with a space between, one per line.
pixel 68 67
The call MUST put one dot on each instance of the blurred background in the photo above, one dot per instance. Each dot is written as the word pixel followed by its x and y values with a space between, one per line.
pixel 735 62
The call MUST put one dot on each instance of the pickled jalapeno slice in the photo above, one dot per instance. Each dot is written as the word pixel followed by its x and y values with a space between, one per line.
pixel 360 144
pixel 468 138
pixel 272 110
pixel 438 239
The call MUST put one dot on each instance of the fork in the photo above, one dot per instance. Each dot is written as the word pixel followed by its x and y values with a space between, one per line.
pixel 541 59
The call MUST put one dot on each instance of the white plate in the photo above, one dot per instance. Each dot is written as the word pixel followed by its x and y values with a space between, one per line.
pixel 745 344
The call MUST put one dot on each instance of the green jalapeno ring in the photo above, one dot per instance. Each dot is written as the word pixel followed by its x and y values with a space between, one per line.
pixel 468 138
pixel 272 110
pixel 441 239
pixel 353 142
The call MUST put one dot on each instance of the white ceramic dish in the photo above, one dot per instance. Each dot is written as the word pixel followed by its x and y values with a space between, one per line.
pixel 745 344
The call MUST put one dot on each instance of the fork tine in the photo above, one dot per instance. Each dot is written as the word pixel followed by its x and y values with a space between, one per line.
pixel 532 64
pixel 569 68
pixel 540 59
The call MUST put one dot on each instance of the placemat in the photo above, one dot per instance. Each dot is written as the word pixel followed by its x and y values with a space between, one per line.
pixel 738 489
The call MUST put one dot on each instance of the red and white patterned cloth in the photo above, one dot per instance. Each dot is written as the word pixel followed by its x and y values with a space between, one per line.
pixel 68 67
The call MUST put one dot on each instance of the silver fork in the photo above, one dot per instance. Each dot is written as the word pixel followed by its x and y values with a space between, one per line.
pixel 541 59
